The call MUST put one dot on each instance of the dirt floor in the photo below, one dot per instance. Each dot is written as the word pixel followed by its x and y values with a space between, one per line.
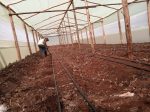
pixel 28 85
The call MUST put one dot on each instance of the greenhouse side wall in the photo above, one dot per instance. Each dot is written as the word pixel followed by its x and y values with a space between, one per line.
pixel 139 26
pixel 8 53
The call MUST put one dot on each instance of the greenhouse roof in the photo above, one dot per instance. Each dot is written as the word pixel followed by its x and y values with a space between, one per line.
pixel 46 16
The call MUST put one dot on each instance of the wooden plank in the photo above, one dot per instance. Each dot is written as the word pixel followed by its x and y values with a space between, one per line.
pixel 27 37
pixel 120 30
pixel 90 28
pixel 15 35
pixel 127 27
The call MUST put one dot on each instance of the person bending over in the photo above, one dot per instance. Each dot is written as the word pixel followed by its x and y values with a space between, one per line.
pixel 43 46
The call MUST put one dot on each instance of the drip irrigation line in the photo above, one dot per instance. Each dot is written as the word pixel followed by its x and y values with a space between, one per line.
pixel 88 103
pixel 56 85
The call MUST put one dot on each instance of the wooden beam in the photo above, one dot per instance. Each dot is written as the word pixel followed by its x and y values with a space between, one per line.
pixel 90 27
pixel 70 2
pixel 15 3
pixel 128 28
pixel 15 35
pixel 77 8
pixel 34 40
pixel 48 19
pixel 148 14
pixel 90 15
pixel 46 10
pixel 76 23
pixel 120 30
pixel 27 37
pixel 48 24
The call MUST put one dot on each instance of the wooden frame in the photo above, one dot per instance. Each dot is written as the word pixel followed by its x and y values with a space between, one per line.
pixel 15 35
pixel 27 37
pixel 128 28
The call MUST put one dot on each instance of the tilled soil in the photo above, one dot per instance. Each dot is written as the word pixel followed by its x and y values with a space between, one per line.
pixel 28 85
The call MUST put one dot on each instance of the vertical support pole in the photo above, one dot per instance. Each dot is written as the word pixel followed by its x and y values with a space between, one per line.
pixel 64 40
pixel 148 14
pixel 59 38
pixel 39 36
pixel 36 35
pixel 34 40
pixel 66 33
pixel 90 28
pixel 119 25
pixel 77 29
pixel 103 30
pixel 128 28
pixel 70 29
pixel 82 36
pixel 15 35
pixel 28 43
pixel 93 33
pixel 87 35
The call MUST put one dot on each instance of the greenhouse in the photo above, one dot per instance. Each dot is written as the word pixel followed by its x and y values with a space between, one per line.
pixel 74 55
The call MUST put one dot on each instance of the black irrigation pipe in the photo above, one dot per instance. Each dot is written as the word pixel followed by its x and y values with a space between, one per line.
pixel 56 86
pixel 140 66
pixel 88 103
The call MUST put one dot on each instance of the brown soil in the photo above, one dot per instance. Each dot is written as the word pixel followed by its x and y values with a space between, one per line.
pixel 28 85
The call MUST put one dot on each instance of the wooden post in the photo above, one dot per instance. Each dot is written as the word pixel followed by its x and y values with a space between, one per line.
pixel 82 36
pixel 70 29
pixel 34 40
pixel 128 28
pixel 15 35
pixel 87 35
pixel 66 33
pixel 104 35
pixel 148 14
pixel 64 40
pixel 36 35
pixel 77 29
pixel 28 43
pixel 90 28
pixel 119 25
pixel 94 39
pixel 59 37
